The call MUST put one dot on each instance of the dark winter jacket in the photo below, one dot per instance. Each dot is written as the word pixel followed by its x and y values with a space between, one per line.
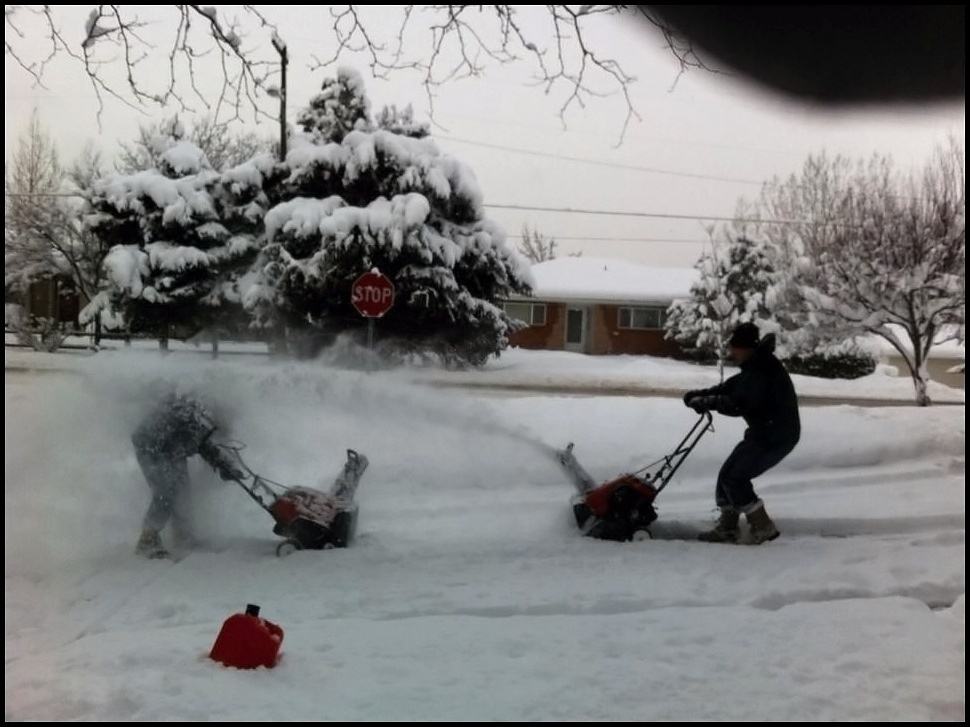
pixel 179 427
pixel 763 394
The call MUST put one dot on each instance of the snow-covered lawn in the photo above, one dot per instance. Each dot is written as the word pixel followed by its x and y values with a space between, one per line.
pixel 562 371
pixel 566 370
pixel 469 594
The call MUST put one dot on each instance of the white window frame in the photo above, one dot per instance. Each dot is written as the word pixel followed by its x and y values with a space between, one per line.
pixel 661 314
pixel 534 308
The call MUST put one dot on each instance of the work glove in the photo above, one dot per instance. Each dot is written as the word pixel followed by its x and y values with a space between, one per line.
pixel 231 472
pixel 702 404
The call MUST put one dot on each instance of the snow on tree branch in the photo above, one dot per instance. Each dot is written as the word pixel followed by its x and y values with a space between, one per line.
pixel 877 252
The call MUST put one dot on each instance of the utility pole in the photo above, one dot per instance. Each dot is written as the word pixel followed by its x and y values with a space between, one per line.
pixel 280 47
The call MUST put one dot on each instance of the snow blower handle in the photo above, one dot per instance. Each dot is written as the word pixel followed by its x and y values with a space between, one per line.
pixel 673 461
pixel 232 466
pixel 259 489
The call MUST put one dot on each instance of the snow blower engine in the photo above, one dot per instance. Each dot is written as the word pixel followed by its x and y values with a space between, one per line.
pixel 623 508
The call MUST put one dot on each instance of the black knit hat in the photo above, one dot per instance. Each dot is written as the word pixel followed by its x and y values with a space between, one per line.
pixel 745 336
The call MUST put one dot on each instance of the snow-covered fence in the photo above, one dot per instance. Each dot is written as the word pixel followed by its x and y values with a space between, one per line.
pixel 79 340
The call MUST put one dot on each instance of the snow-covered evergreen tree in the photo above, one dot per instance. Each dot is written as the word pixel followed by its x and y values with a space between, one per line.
pixel 735 286
pixel 355 198
pixel 284 241
pixel 182 236
pixel 340 107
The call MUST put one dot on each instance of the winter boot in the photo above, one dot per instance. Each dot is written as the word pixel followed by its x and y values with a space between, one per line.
pixel 150 545
pixel 761 526
pixel 726 529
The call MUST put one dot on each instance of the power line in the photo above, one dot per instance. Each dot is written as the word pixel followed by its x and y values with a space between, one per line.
pixel 631 137
pixel 659 215
pixel 633 167
pixel 566 210
pixel 614 239
pixel 600 163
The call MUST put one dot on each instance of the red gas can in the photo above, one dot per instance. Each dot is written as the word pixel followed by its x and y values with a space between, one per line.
pixel 247 641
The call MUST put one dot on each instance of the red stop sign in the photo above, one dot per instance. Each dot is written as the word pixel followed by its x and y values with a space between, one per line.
pixel 372 294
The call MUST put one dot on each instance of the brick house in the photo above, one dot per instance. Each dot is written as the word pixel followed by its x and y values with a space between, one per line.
pixel 599 306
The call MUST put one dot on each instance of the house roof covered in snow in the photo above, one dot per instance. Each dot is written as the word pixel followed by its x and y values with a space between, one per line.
pixel 605 280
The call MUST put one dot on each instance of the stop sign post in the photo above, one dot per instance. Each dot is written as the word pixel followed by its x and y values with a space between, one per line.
pixel 372 294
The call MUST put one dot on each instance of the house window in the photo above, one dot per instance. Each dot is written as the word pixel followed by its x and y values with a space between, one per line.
pixel 642 319
pixel 533 314
pixel 538 314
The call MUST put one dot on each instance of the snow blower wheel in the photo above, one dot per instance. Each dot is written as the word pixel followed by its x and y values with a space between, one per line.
pixel 288 547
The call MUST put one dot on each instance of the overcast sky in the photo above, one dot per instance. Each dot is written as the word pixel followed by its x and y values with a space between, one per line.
pixel 711 125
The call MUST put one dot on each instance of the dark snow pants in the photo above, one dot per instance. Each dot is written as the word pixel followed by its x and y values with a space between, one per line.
pixel 751 458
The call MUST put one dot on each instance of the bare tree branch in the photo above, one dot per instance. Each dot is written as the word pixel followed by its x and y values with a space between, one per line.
pixel 459 41
pixel 475 34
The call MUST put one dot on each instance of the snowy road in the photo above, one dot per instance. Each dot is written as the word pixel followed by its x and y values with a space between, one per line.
pixel 469 594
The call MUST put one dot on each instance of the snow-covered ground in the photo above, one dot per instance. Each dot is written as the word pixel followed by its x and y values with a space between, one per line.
pixel 564 370
pixel 469 594
pixel 559 371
